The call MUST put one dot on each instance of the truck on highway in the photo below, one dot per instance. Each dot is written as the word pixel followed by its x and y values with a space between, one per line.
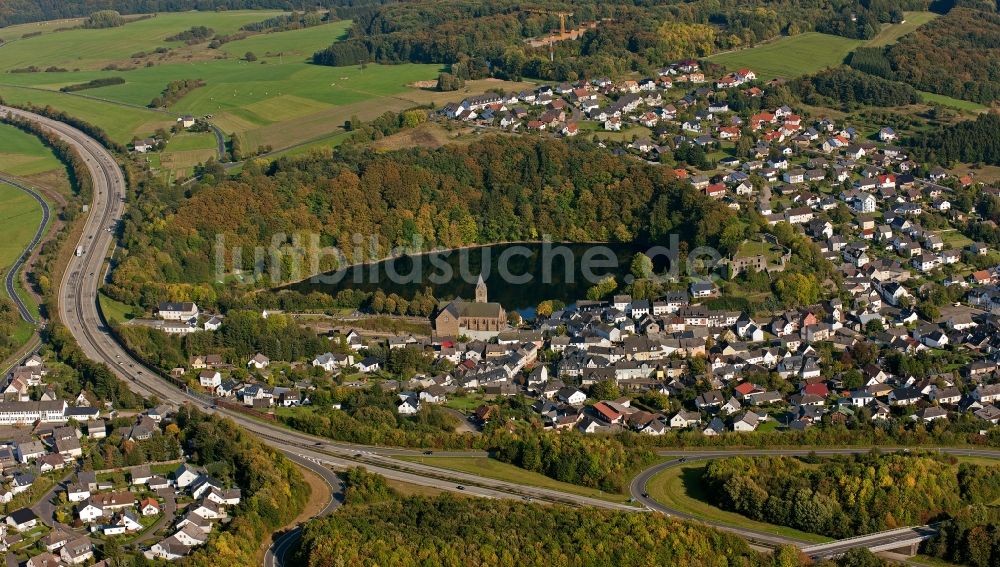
pixel 79 250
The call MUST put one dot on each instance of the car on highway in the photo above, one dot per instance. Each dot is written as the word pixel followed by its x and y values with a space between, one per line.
pixel 318 443
pixel 428 452
pixel 460 487
pixel 645 495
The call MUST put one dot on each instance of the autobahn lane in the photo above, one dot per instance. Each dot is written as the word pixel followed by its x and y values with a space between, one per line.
pixel 12 274
pixel 79 311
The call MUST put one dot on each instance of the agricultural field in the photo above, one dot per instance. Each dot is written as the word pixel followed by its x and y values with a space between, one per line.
pixel 892 32
pixel 806 53
pixel 791 56
pixel 93 49
pixel 280 100
pixel 122 123
pixel 22 154
pixel 19 218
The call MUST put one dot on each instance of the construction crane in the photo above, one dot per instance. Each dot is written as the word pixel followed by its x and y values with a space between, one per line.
pixel 562 27
pixel 562 16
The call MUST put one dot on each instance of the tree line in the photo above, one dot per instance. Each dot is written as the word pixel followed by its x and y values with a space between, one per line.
pixel 174 91
pixel 954 55
pixel 93 84
pixel 848 496
pixel 379 526
pixel 496 189
pixel 848 88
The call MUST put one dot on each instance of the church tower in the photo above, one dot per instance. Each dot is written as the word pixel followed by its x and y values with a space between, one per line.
pixel 481 290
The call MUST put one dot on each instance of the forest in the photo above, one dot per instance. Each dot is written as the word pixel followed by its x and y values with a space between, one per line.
pixel 480 39
pixel 970 537
pixel 971 141
pixel 496 189
pixel 848 88
pixel 378 526
pixel 851 495
pixel 956 55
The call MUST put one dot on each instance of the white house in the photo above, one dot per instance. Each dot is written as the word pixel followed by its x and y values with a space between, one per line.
pixel 409 403
pixel 171 311
pixel 89 512
pixel 184 476
pixel 209 378
pixel 259 361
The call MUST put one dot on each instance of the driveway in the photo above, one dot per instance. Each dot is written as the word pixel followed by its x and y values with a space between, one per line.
pixel 45 508
pixel 166 517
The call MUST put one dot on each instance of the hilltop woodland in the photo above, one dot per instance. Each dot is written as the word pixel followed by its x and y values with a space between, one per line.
pixel 378 526
pixel 494 190
pixel 956 55
pixel 971 141
pixel 847 496
pixel 848 88
pixel 479 38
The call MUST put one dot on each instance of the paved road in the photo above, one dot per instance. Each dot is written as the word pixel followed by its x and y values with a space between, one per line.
pixel 277 554
pixel 638 489
pixel 12 274
pixel 45 508
pixel 78 310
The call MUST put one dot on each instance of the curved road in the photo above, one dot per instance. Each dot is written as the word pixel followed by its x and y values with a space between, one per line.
pixel 12 274
pixel 639 491
pixel 78 310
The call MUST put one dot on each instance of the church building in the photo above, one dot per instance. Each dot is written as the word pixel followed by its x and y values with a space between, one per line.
pixel 480 319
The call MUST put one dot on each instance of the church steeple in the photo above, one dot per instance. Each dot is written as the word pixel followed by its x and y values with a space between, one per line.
pixel 481 290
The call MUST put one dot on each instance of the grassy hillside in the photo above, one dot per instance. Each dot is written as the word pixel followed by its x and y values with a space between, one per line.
pixel 279 100
pixel 22 154
pixel 791 56
pixel 806 53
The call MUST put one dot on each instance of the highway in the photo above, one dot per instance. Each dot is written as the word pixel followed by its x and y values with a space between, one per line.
pixel 12 274
pixel 78 310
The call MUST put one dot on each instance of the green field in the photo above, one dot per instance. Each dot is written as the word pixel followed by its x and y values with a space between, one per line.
pixel 790 56
pixel 680 488
pixel 280 100
pixel 92 49
pixel 121 123
pixel 806 53
pixel 115 310
pixel 23 154
pixel 19 218
pixel 492 468
pixel 892 32
pixel 952 102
